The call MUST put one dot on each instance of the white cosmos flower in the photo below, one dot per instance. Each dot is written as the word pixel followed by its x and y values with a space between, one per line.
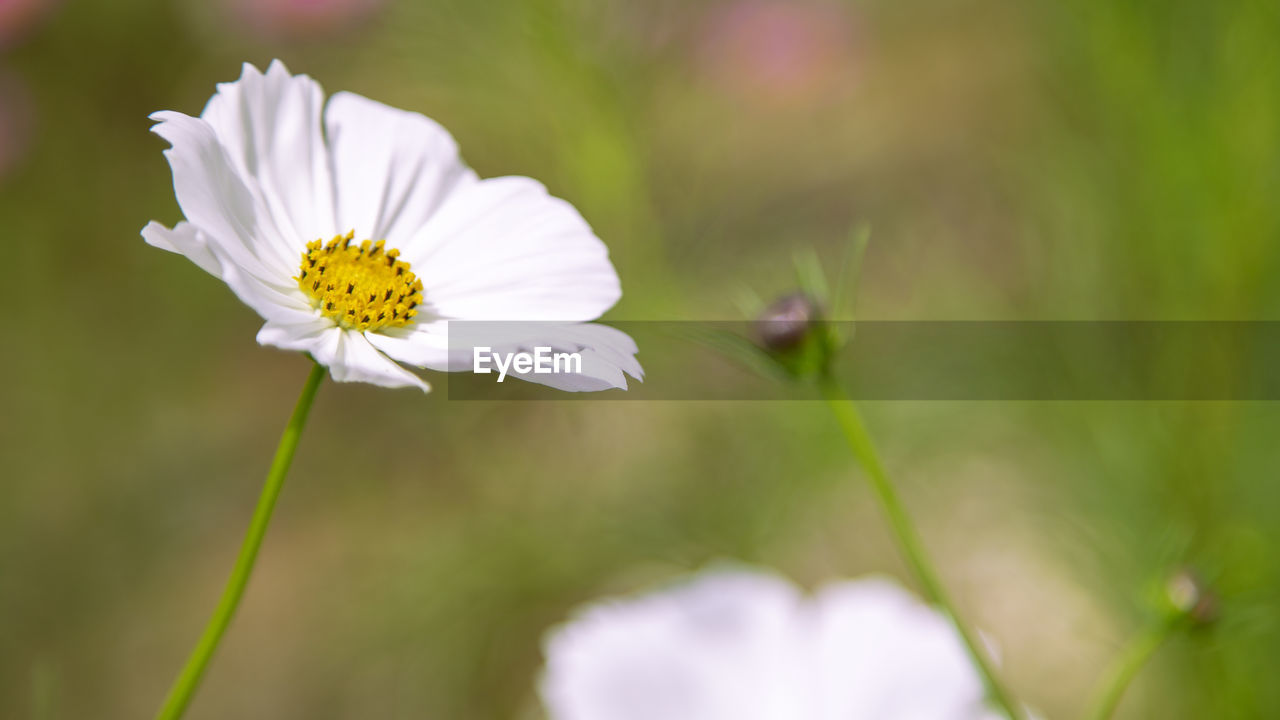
pixel 748 645
pixel 357 233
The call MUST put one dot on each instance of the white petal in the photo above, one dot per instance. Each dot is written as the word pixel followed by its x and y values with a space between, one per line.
pixel 425 345
pixel 304 336
pixel 269 125
pixel 503 249
pixel 184 239
pixel 605 356
pixel 884 655
pixel 610 344
pixel 274 305
pixel 215 199
pixel 350 358
pixel 393 168
pixel 283 306
pixel 718 648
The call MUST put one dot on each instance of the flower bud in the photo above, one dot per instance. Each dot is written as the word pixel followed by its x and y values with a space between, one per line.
pixel 792 332
pixel 785 324
pixel 1191 597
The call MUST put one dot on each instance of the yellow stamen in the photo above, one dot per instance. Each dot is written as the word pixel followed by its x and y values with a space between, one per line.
pixel 362 287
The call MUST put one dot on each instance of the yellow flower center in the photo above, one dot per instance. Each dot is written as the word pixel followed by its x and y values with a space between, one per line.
pixel 362 287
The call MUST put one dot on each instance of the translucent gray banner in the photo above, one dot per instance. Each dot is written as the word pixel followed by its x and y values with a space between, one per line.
pixel 1061 361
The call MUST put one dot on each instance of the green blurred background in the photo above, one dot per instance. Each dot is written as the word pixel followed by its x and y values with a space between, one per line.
pixel 1099 159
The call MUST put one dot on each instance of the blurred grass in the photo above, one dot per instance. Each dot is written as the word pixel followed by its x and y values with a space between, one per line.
pixel 1098 159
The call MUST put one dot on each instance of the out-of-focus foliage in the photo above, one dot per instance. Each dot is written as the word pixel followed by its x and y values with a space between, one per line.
pixel 1086 160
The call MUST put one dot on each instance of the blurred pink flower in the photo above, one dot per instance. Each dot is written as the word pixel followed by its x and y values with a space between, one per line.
pixel 19 17
pixel 302 18
pixel 16 121
pixel 777 51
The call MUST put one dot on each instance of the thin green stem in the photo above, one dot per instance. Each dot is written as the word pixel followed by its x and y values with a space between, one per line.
pixel 185 686
pixel 855 431
pixel 1130 662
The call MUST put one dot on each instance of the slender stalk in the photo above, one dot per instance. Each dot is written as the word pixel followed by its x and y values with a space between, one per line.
pixel 185 686
pixel 1130 662
pixel 908 538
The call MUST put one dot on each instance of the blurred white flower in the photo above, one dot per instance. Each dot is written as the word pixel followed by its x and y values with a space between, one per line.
pixel 748 645
pixel 357 233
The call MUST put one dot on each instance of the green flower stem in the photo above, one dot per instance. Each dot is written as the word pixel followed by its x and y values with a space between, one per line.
pixel 185 686
pixel 1131 661
pixel 908 538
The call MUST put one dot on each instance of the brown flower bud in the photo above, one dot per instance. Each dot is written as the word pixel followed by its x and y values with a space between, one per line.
pixel 1193 598
pixel 786 323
